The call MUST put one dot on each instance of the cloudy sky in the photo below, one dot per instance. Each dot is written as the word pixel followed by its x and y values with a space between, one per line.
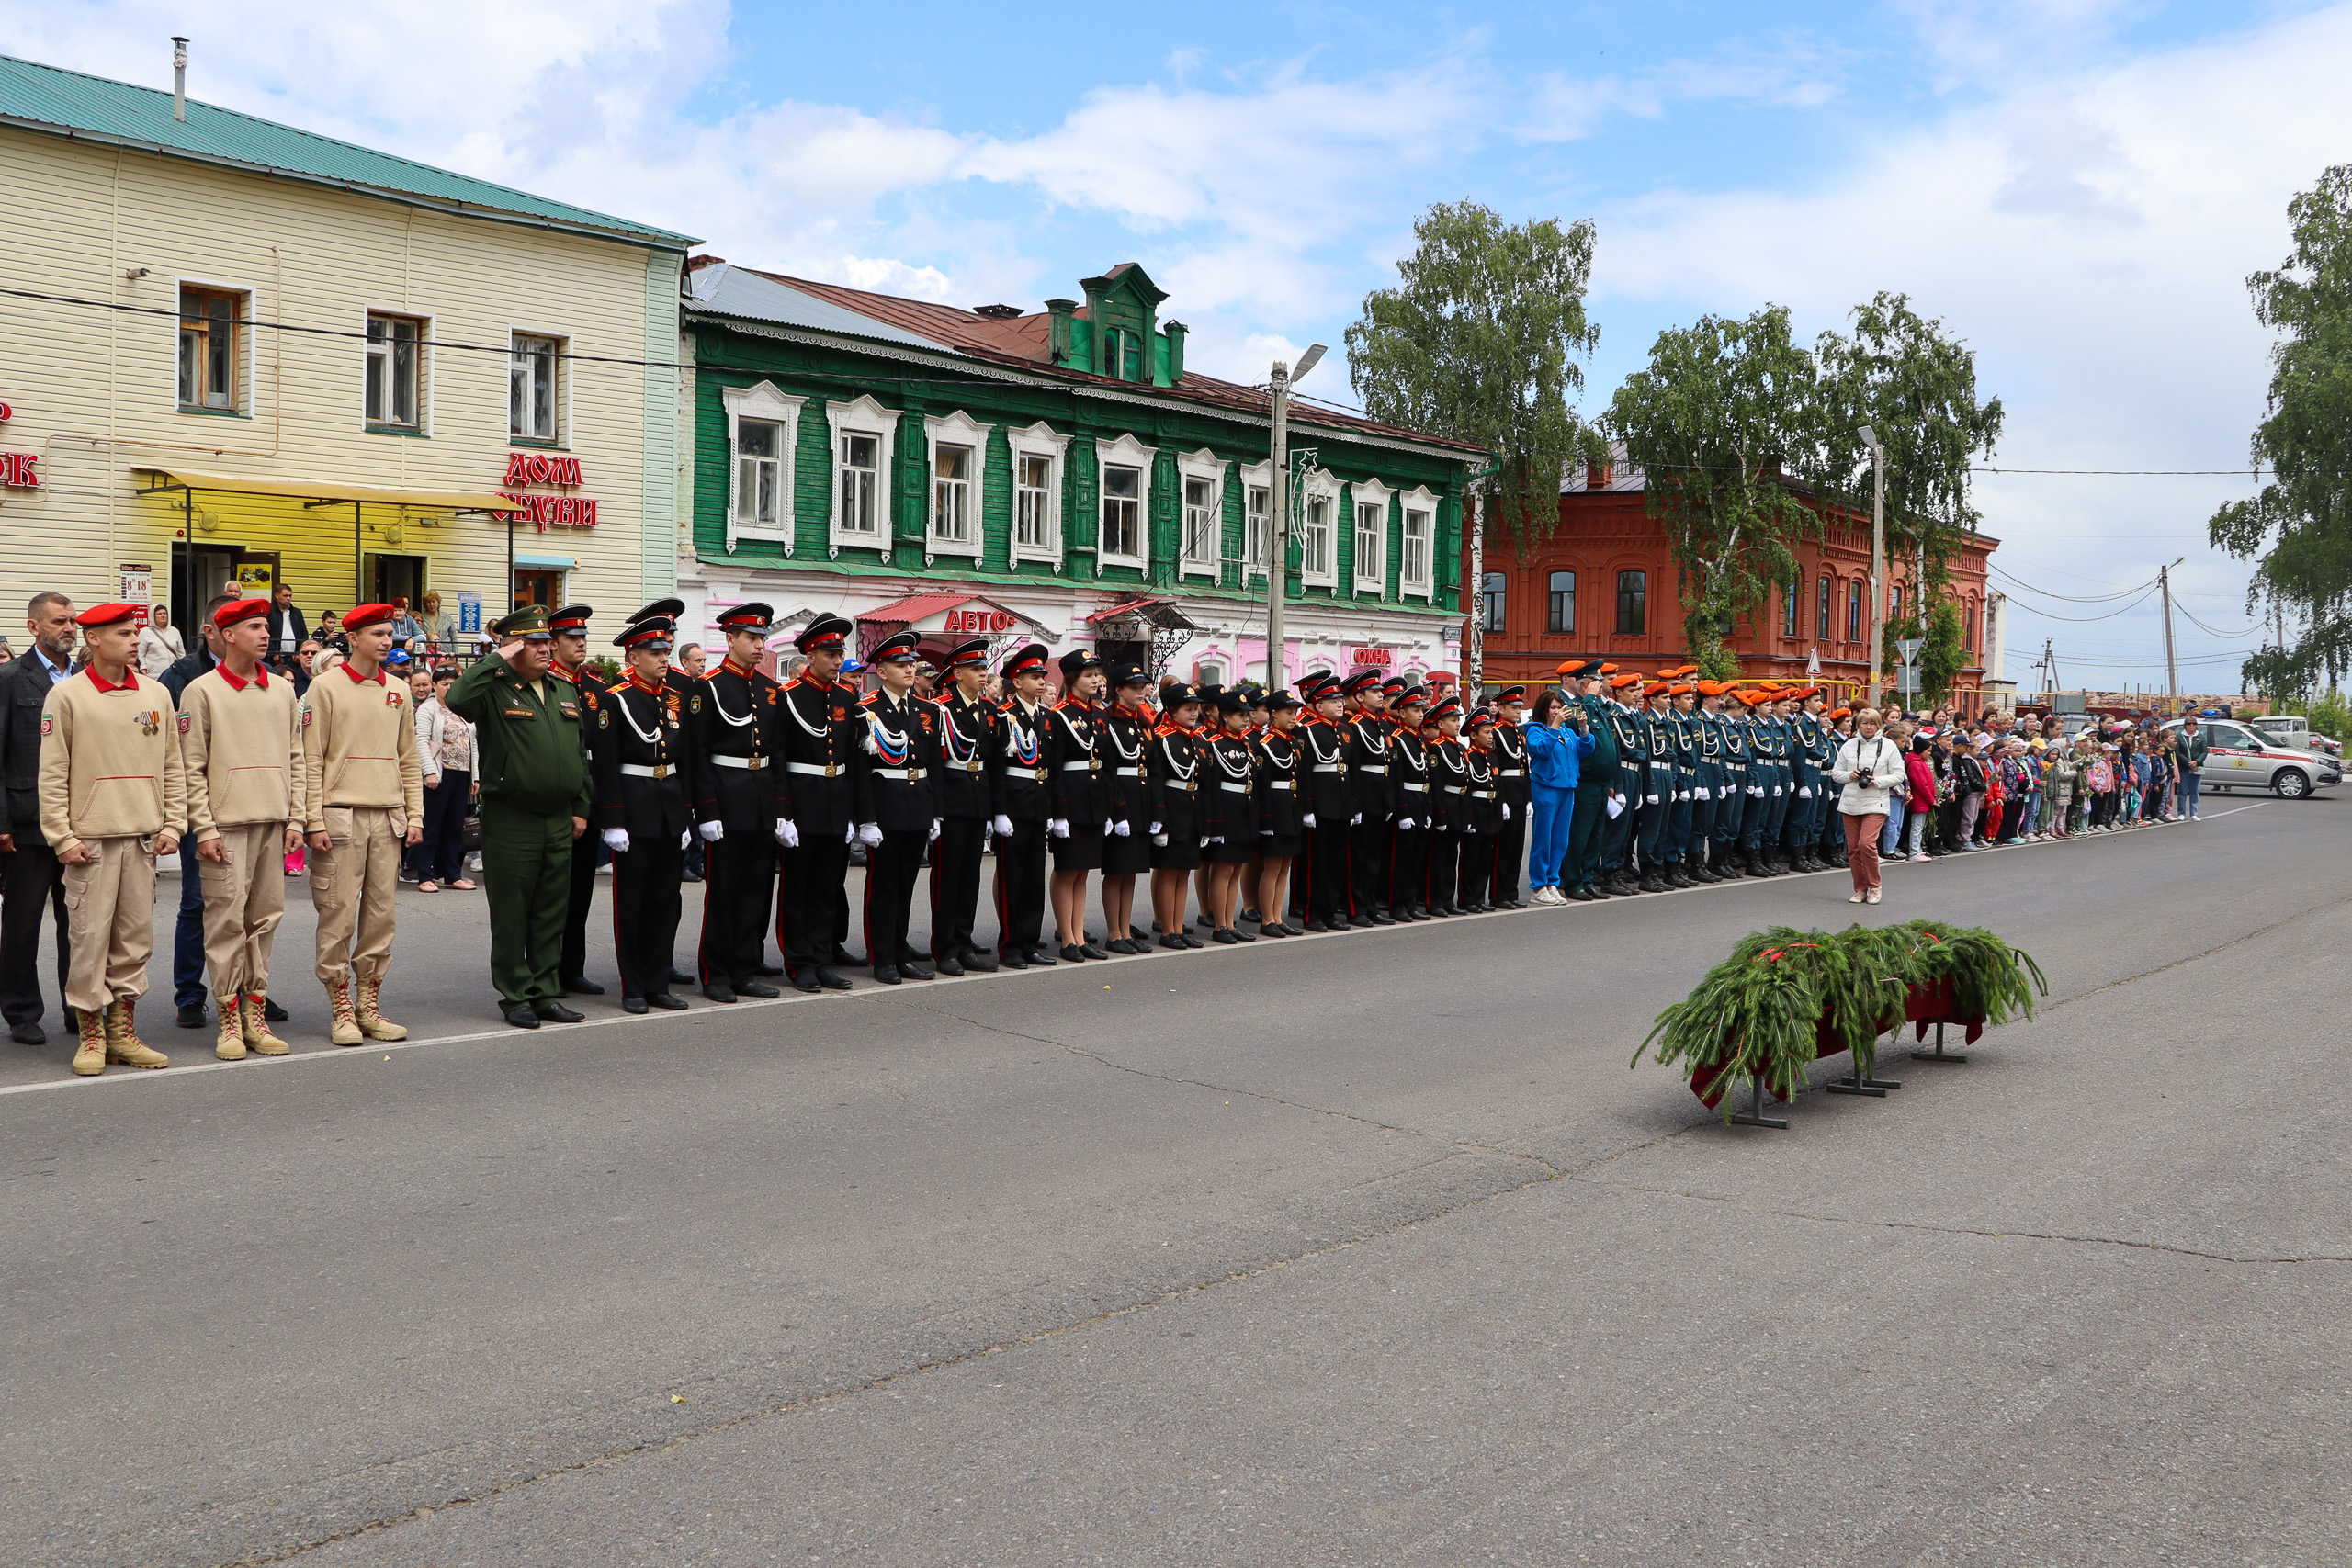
pixel 2078 187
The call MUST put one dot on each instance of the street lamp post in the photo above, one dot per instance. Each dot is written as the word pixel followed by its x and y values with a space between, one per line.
pixel 1878 559
pixel 1278 521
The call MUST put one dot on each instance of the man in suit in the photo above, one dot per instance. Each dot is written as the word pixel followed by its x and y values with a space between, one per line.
pixel 30 867
pixel 287 630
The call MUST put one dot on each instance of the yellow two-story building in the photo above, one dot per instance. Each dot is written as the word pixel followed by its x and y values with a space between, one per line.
pixel 232 351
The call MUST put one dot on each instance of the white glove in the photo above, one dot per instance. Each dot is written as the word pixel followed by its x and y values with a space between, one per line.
pixel 1120 827
pixel 934 829
pixel 616 840
pixel 1506 810
pixel 1213 838
pixel 1776 792
pixel 1357 820
pixel 869 834
pixel 1405 823
pixel 1058 828
pixel 1756 790
pixel 1649 800
pixel 711 831
pixel 1157 832
pixel 1002 824
pixel 685 839
pixel 1701 793
pixel 786 833
pixel 1804 791
pixel 1616 806
pixel 1681 794
pixel 849 834
pixel 1307 820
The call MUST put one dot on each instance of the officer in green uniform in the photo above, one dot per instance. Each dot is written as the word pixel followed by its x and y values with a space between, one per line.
pixel 531 730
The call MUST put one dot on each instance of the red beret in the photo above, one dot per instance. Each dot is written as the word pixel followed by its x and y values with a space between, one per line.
pixel 105 614
pixel 362 616
pixel 229 615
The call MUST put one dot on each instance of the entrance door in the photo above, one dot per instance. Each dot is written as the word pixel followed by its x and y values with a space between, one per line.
pixel 199 571
pixel 391 576
pixel 537 587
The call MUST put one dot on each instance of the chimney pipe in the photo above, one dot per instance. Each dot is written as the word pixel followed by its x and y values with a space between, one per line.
pixel 179 77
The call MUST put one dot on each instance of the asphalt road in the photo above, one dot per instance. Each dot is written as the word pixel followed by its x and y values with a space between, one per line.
pixel 1354 1249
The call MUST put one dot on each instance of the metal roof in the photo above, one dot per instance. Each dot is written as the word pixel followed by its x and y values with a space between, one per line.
pixel 42 97
pixel 724 290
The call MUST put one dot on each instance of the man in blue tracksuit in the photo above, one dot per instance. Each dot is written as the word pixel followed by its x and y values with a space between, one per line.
pixel 1557 744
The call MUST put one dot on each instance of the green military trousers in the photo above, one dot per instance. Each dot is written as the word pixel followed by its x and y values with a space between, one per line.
pixel 526 871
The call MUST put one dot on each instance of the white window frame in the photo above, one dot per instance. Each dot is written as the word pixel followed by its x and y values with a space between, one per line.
pixel 561 403
pixel 1040 440
pixel 1370 492
pixel 1208 467
pixel 1322 486
pixel 957 429
pixel 242 376
pixel 423 422
pixel 1417 499
pixel 861 416
pixel 764 401
pixel 1256 478
pixel 1126 452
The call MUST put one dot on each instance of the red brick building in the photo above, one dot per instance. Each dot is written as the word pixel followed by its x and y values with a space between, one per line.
pixel 1605 584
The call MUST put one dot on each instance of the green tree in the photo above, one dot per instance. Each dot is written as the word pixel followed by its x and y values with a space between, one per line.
pixel 2300 521
pixel 1480 341
pixel 1725 416
pixel 1915 385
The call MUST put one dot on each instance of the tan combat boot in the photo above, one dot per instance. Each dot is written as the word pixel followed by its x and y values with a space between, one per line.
pixel 254 1025
pixel 343 1026
pixel 229 1045
pixel 123 1044
pixel 374 1024
pixel 90 1057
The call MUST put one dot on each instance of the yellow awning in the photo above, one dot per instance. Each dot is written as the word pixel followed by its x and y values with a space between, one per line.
pixel 330 489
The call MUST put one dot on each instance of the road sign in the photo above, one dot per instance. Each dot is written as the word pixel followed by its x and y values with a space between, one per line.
pixel 1909 646
pixel 1907 681
pixel 1813 664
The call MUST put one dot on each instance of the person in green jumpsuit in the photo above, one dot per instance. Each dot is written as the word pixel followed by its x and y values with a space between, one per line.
pixel 1581 873
pixel 531 730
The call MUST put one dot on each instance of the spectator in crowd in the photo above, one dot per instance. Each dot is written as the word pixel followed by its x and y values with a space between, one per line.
pixel 692 661
pixel 7 653
pixel 405 628
pixel 1869 768
pixel 159 643
pixel 330 627
pixel 34 878
pixel 2191 755
pixel 438 627
pixel 445 749
pixel 287 630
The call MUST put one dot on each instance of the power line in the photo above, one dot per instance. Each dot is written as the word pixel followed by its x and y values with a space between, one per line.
pixel 2145 595
pixel 2226 637
pixel 2067 598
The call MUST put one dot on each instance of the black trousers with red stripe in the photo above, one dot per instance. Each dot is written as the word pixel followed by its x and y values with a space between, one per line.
pixel 1444 862
pixel 1021 888
pixel 1328 870
pixel 646 902
pixel 1478 866
pixel 811 900
pixel 892 869
pixel 1368 845
pixel 1408 866
pixel 955 884
pixel 738 872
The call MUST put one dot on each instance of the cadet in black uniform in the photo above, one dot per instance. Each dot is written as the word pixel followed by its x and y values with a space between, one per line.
pixel 640 751
pixel 965 791
pixel 1123 727
pixel 1514 789
pixel 1660 789
pixel 1366 729
pixel 1024 807
pixel 689 692
pixel 1280 829
pixel 1449 803
pixel 569 627
pixel 1228 814
pixel 1323 786
pixel 1482 813
pixel 896 808
pixel 1409 858
pixel 1172 768
pixel 816 736
pixel 1082 799
pixel 735 739
pixel 1619 834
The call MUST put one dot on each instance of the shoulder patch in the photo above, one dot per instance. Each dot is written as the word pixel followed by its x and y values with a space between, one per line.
pixel 49 723
pixel 604 718
pixel 306 716
pixel 693 703
pixel 184 722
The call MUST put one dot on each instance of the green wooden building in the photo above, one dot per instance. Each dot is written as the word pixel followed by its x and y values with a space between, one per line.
pixel 1057 475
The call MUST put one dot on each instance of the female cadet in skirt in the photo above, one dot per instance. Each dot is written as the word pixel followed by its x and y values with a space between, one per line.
pixel 1279 811
pixel 1173 764
pixel 1482 815
pixel 1228 814
pixel 1124 731
pixel 1449 801
pixel 1409 771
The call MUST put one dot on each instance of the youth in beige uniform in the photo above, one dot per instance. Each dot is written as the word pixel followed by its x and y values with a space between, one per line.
pixel 112 798
pixel 363 792
pixel 240 744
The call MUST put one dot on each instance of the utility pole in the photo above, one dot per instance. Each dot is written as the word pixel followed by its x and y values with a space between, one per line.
pixel 2172 668
pixel 1278 521
pixel 1878 559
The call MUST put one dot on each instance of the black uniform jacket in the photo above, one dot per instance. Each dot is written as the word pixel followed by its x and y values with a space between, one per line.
pixel 1366 753
pixel 1449 786
pixel 1323 773
pixel 743 786
pixel 1279 809
pixel 1018 763
pixel 1074 753
pixel 898 759
pixel 1484 813
pixel 638 729
pixel 966 782
pixel 816 733
pixel 1120 735
pixel 1228 792
pixel 1409 771
pixel 1173 761
pixel 1513 784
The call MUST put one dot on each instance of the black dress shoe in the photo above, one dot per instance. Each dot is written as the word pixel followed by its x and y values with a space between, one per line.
pixel 192 1016
pixel 1169 940
pixel 766 971
pixel 719 993
pixel 580 986
pixel 1014 960
pixel 979 963
pixel 759 988
pixel 667 1002
pixel 679 977
pixel 1087 950
pixel 1382 918
pixel 1241 935
pixel 1223 935
pixel 272 1011
pixel 1191 941
pixel 805 982
pixel 1120 946
pixel 1253 917
pixel 555 1012
pixel 522 1017
pixel 844 958
pixel 1316 925
pixel 1073 954
pixel 831 978
pixel 950 966
pixel 888 974
pixel 1362 922
pixel 27 1035
pixel 1272 929
pixel 690 875
pixel 915 970
pixel 1038 955
pixel 1581 895
pixel 634 1004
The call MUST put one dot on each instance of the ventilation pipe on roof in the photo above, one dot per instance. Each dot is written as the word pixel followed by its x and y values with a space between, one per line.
pixel 179 77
